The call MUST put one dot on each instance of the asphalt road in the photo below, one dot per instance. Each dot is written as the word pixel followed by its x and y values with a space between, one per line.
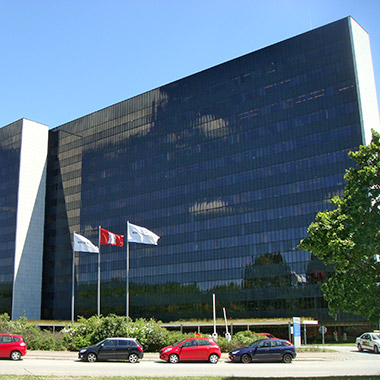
pixel 348 361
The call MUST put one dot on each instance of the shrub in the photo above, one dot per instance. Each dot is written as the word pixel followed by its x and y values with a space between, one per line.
pixel 33 336
pixel 87 332
pixel 4 323
pixel 225 345
pixel 156 337
pixel 90 331
pixel 46 341
pixel 240 339
pixel 175 336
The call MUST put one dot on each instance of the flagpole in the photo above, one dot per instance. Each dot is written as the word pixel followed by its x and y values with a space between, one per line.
pixel 72 284
pixel 127 277
pixel 99 274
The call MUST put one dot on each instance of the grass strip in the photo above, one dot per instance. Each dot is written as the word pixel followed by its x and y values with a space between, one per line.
pixel 30 377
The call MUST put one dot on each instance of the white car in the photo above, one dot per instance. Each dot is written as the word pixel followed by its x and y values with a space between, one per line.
pixel 369 341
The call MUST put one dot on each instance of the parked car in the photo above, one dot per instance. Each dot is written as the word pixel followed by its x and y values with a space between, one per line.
pixel 12 346
pixel 266 335
pixel 369 341
pixel 265 350
pixel 113 349
pixel 192 349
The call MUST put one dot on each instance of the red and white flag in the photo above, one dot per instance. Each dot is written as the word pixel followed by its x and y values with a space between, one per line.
pixel 108 238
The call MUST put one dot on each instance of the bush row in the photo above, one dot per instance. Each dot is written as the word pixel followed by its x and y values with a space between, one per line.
pixel 87 332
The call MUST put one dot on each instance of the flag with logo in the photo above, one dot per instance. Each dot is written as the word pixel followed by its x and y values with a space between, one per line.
pixel 82 244
pixel 141 235
pixel 109 238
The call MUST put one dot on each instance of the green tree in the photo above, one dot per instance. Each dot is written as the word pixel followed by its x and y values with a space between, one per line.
pixel 349 238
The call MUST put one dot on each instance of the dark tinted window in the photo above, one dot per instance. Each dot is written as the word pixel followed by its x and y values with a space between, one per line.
pixel 7 339
pixel 265 343
pixel 204 343
pixel 229 166
pixel 190 343
pixel 10 144
pixel 124 343
pixel 110 342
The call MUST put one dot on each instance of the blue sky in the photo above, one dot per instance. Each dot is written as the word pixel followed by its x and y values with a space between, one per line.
pixel 61 60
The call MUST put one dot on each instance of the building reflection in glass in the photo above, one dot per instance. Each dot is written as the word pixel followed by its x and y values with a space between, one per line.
pixel 229 166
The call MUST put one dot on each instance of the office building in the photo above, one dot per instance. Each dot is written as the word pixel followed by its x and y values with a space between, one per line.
pixel 228 166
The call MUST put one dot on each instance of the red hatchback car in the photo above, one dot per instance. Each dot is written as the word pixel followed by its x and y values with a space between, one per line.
pixel 12 346
pixel 267 335
pixel 192 349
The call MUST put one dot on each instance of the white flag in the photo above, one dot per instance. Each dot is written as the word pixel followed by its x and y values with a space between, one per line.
pixel 81 244
pixel 142 235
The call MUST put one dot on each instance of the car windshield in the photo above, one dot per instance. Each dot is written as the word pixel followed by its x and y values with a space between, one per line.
pixel 376 336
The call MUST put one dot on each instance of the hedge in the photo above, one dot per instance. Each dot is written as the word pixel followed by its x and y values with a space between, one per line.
pixel 86 332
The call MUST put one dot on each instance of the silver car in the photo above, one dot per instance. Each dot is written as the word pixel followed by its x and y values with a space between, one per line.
pixel 369 341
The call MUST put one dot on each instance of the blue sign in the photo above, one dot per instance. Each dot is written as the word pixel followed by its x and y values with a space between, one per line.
pixel 297 331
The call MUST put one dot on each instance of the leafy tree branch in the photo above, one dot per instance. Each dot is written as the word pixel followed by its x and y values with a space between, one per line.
pixel 349 238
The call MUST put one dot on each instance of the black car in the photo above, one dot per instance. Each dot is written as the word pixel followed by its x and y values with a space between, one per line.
pixel 113 349
pixel 265 350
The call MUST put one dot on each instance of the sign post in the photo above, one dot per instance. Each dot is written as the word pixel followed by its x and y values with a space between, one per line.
pixel 214 334
pixel 297 331
pixel 323 331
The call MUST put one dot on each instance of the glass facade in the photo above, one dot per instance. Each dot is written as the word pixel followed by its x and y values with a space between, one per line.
pixel 229 166
pixel 10 145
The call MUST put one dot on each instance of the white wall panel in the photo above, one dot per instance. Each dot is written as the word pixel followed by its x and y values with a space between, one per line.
pixel 369 111
pixel 30 222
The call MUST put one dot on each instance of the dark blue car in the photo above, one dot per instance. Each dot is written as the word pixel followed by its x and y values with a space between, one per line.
pixel 265 350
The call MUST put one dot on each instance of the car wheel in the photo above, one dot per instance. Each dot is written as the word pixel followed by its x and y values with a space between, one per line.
pixel 173 358
pixel 376 349
pixel 287 358
pixel 214 358
pixel 91 357
pixel 15 355
pixel 133 358
pixel 245 358
pixel 360 348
